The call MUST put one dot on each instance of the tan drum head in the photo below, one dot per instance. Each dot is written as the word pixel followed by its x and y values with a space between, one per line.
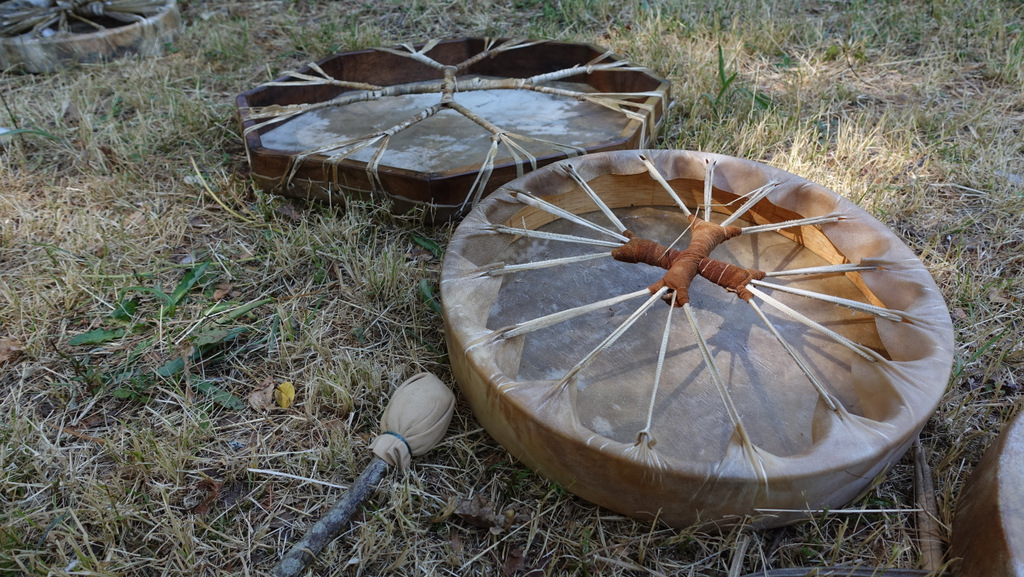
pixel 586 348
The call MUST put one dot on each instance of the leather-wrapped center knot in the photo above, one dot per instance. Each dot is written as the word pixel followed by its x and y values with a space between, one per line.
pixel 682 266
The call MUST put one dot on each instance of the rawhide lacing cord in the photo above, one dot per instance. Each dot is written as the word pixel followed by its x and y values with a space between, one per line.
pixel 684 265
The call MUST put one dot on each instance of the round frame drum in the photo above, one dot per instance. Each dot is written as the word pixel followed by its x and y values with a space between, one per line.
pixel 693 337
pixel 140 30
pixel 988 528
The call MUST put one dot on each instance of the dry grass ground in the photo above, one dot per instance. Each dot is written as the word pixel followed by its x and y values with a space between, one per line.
pixel 116 461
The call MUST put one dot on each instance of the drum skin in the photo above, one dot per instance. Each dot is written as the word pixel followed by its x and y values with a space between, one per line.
pixel 803 455
pixel 988 528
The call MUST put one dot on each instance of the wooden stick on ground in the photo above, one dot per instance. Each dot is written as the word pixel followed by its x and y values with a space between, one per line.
pixel 928 539
pixel 333 523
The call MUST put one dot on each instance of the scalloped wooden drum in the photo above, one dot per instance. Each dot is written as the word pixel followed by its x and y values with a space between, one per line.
pixel 420 126
pixel 785 404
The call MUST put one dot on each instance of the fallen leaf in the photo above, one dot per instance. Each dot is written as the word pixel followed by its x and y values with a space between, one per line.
pixel 290 212
pixel 514 562
pixel 223 289
pixel 457 545
pixel 479 512
pixel 284 394
pixel 998 295
pixel 262 398
pixel 136 218
pixel 212 490
pixel 417 254
pixel 10 350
